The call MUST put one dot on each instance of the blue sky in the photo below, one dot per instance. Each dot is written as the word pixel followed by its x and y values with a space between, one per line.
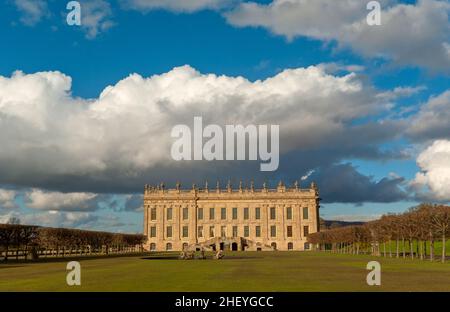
pixel 232 40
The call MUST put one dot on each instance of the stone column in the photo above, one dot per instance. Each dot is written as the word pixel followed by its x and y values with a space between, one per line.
pixel 193 222
pixel 283 223
pixel 160 229
pixel 178 221
pixel 297 209
pixel 266 215
pixel 146 221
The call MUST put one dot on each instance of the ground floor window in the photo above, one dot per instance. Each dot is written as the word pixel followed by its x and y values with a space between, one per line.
pixel 185 246
pixel 152 246
pixel 169 246
pixel 290 246
pixel 274 245
pixel 306 246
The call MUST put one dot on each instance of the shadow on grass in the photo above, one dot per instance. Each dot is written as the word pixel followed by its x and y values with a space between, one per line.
pixel 70 258
pixel 10 266
pixel 209 257
pixel 143 255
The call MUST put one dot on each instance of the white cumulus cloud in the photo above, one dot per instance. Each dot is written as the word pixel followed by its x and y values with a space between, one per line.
pixel 7 199
pixel 62 219
pixel 38 199
pixel 50 138
pixel 32 10
pixel 410 34
pixel 434 179
pixel 96 17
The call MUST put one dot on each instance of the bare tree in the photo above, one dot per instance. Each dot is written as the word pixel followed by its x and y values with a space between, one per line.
pixel 440 221
pixel 419 225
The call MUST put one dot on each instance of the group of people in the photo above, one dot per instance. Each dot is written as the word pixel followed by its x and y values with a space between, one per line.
pixel 188 255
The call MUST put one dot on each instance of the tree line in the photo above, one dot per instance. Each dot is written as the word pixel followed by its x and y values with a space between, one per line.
pixel 400 235
pixel 33 241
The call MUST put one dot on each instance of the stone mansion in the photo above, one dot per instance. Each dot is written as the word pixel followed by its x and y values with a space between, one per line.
pixel 230 219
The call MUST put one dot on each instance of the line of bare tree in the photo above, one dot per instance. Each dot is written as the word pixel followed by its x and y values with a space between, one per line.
pixel 400 235
pixel 33 241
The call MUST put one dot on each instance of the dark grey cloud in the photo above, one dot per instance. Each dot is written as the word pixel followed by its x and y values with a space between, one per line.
pixel 342 183
pixel 355 142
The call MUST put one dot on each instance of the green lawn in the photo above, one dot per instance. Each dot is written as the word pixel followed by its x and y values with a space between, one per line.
pixel 437 247
pixel 239 271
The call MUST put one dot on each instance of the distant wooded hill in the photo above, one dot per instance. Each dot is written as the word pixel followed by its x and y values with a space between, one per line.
pixel 331 224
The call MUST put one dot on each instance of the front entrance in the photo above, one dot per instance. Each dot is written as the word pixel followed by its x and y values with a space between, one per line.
pixel 234 246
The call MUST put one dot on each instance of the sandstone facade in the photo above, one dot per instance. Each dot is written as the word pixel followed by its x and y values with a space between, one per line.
pixel 230 219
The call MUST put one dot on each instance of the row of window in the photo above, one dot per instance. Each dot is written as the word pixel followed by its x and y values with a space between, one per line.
pixel 234 214
pixel 290 246
pixel 223 231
